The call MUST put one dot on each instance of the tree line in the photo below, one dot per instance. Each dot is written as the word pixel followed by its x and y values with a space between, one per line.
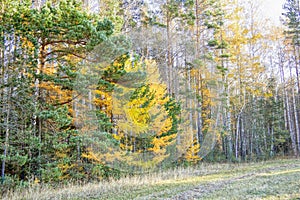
pixel 94 89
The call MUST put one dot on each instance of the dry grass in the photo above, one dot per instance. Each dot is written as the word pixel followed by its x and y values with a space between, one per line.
pixel 278 179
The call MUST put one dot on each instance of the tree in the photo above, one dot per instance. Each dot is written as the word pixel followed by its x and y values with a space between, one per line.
pixel 51 39
pixel 292 22
pixel 143 118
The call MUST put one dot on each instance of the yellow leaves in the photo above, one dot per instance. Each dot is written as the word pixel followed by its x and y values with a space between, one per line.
pixel 36 181
pixel 192 153
pixel 65 167
pixel 59 154
pixel 50 70
pixel 26 44
pixel 145 111
pixel 116 136
pixel 256 92
pixel 51 87
pixel 230 76
pixel 90 155
pixel 103 100
pixel 160 91
pixel 257 37
pixel 142 122
pixel 268 95
pixel 166 126
pixel 245 32
pixel 131 66
pixel 126 147
pixel 117 64
pixel 107 157
pixel 159 143
pixel 138 113
pixel 139 116
pixel 55 93
pixel 158 146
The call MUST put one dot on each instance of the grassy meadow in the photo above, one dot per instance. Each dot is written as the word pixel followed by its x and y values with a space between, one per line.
pixel 277 179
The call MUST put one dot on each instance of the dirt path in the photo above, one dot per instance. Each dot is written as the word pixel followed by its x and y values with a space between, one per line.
pixel 204 190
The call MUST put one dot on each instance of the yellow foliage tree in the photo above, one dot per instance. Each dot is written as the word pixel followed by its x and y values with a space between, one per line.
pixel 139 133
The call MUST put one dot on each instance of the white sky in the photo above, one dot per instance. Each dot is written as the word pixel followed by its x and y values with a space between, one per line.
pixel 273 9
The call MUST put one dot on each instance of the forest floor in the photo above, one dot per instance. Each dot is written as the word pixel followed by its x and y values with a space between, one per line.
pixel 276 179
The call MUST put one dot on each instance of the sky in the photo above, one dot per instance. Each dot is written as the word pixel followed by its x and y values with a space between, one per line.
pixel 273 9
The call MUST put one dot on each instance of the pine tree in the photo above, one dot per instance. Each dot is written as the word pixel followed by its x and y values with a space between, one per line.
pixel 50 40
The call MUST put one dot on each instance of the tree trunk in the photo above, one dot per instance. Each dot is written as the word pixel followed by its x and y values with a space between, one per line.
pixel 6 144
pixel 169 53
pixel 237 137
pixel 288 108
pixel 7 103
pixel 6 100
pixel 243 139
pixel 295 112
pixel 271 129
pixel 228 121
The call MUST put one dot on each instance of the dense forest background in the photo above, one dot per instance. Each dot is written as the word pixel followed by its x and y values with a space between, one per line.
pixel 94 89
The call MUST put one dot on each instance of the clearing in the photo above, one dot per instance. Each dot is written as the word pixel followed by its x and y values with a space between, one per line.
pixel 276 179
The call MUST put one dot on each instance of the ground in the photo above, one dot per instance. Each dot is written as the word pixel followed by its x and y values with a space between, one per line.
pixel 277 179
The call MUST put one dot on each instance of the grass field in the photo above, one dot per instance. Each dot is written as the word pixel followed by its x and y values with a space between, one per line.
pixel 277 179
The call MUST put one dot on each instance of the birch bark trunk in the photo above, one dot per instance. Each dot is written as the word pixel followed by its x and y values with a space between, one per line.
pixel 287 106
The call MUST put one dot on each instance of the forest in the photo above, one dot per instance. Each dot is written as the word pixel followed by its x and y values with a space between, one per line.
pixel 96 89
